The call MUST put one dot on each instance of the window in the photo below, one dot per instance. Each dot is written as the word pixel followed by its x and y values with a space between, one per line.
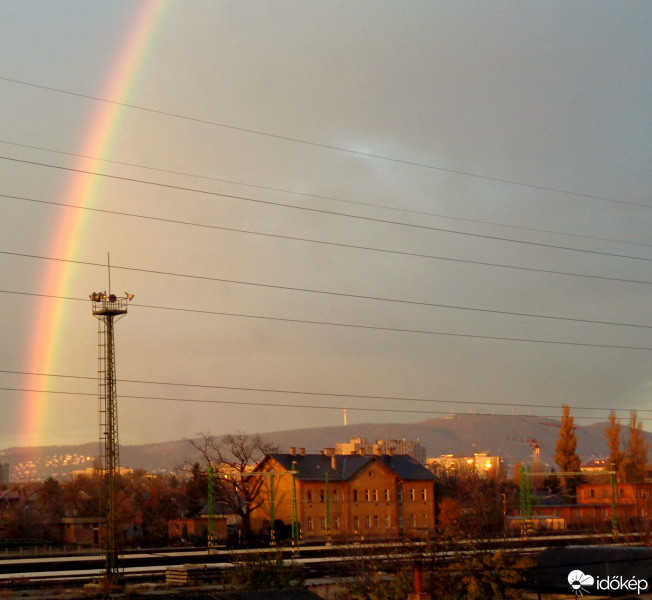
pixel 356 524
pixel 412 494
pixel 310 524
pixel 414 520
pixel 425 520
pixel 366 495
pixel 388 521
pixel 424 494
pixel 375 495
pixel 399 494
pixel 375 520
pixel 367 521
pixel 355 495
pixel 322 496
pixel 323 522
pixel 334 495
pixel 591 493
pixel 386 495
pixel 336 523
pixel 400 521
pixel 309 496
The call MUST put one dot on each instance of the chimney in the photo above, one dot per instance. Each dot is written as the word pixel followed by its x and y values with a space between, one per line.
pixel 361 452
pixel 293 450
pixel 302 451
pixel 378 451
pixel 333 462
pixel 329 451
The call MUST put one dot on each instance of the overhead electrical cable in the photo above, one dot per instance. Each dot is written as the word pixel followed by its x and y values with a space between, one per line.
pixel 370 327
pixel 314 393
pixel 330 212
pixel 276 404
pixel 331 198
pixel 325 146
pixel 320 242
pixel 375 298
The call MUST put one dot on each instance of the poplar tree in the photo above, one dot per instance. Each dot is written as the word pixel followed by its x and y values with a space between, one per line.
pixel 635 455
pixel 565 451
pixel 616 455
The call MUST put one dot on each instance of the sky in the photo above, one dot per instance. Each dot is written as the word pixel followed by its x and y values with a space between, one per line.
pixel 405 209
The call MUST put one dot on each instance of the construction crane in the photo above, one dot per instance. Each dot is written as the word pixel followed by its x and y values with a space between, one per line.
pixel 536 451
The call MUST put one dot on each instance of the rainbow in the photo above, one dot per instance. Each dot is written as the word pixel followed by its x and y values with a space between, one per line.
pixel 101 132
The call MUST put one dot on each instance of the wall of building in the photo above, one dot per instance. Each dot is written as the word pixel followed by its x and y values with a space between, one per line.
pixel 373 504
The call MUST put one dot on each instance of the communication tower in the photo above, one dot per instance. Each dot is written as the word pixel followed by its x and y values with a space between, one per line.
pixel 108 309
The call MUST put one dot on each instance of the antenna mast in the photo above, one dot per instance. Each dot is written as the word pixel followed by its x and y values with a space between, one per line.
pixel 106 309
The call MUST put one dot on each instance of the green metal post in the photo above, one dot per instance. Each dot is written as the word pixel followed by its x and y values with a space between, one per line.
pixel 272 533
pixel 328 511
pixel 526 500
pixel 211 509
pixel 614 516
pixel 295 521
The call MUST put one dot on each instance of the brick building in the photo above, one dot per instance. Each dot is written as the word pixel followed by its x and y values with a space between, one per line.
pixel 632 501
pixel 345 497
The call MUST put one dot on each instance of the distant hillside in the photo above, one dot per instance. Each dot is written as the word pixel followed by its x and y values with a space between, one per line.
pixel 462 434
pixel 459 434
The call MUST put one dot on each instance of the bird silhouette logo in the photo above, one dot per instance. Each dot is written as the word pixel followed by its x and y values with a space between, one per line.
pixel 578 580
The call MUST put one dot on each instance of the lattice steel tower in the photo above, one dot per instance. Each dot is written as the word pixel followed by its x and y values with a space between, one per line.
pixel 108 309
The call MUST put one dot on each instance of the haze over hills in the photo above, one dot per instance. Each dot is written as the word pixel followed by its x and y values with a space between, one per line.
pixel 504 435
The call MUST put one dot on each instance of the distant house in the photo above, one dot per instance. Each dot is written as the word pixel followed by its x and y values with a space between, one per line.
pixel 196 528
pixel 81 530
pixel 384 446
pixel 480 464
pixel 347 497
pixel 596 505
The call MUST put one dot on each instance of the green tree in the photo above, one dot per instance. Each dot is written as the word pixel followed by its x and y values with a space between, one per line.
pixel 566 456
pixel 616 455
pixel 635 455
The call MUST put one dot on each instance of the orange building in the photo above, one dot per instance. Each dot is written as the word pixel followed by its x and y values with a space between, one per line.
pixel 342 497
pixel 631 499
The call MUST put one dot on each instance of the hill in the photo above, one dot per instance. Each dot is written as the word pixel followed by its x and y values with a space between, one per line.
pixel 505 435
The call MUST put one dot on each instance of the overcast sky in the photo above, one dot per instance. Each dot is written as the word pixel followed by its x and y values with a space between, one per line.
pixel 467 212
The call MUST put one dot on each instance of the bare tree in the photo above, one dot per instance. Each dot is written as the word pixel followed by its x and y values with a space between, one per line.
pixel 232 458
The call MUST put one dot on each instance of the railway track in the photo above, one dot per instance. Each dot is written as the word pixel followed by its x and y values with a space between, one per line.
pixel 314 560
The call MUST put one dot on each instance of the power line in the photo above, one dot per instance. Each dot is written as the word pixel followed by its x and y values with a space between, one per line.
pixel 323 197
pixel 326 146
pixel 357 297
pixel 360 326
pixel 272 404
pixel 328 212
pixel 324 243
pixel 313 393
